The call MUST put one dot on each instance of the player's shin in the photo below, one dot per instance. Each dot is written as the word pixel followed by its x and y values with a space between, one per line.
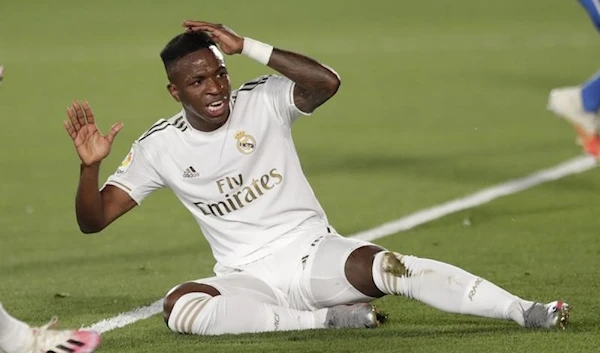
pixel 445 287
pixel 202 314
pixel 590 94
pixel 592 7
pixel 13 333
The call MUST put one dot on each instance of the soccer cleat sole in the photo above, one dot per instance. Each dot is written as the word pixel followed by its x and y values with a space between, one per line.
pixel 564 311
pixel 589 143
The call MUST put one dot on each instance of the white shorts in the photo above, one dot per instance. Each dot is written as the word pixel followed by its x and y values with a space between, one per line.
pixel 308 274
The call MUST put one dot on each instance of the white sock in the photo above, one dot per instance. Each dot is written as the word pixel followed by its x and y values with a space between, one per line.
pixel 445 287
pixel 14 334
pixel 201 314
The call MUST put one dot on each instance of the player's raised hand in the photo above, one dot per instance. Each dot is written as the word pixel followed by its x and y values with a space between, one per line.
pixel 227 40
pixel 91 145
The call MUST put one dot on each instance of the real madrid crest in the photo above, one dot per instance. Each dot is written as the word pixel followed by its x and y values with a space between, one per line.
pixel 245 143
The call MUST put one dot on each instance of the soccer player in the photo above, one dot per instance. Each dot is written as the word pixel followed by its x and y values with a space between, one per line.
pixel 230 159
pixel 580 105
pixel 18 337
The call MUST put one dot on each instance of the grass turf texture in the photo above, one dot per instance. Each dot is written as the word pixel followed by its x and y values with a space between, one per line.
pixel 438 100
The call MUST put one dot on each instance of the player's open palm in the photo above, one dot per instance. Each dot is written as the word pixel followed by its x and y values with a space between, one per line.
pixel 91 145
pixel 227 40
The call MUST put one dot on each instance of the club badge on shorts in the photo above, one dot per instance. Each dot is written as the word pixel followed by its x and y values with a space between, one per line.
pixel 245 143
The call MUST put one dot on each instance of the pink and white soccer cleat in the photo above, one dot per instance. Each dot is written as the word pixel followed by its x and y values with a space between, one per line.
pixel 44 339
pixel 566 103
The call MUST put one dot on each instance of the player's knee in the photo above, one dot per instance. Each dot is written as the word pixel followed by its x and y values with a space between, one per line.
pixel 359 270
pixel 183 289
pixel 360 261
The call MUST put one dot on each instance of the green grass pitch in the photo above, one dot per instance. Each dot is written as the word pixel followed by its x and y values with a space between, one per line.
pixel 438 100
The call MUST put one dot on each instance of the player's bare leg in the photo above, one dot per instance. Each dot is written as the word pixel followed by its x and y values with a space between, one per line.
pixel 18 337
pixel 200 309
pixel 376 271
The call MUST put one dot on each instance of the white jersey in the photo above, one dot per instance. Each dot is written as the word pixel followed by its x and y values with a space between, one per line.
pixel 243 182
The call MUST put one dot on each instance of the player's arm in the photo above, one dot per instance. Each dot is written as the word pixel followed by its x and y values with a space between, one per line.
pixel 314 83
pixel 94 209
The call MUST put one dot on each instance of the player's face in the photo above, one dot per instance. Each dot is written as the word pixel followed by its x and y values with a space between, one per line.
pixel 201 83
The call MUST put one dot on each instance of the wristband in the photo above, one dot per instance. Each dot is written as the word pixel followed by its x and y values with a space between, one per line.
pixel 256 50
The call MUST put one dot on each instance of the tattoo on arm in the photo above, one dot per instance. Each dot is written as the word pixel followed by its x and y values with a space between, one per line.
pixel 315 83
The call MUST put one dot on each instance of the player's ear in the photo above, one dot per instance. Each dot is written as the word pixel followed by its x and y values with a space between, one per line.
pixel 173 91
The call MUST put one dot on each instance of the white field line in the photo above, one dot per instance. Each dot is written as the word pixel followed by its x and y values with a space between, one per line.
pixel 573 166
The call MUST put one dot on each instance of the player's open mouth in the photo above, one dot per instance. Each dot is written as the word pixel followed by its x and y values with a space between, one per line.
pixel 217 108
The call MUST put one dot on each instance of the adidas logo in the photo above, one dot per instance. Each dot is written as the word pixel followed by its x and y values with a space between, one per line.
pixel 190 172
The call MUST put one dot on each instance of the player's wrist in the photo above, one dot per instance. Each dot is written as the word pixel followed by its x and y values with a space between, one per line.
pixel 92 165
pixel 257 50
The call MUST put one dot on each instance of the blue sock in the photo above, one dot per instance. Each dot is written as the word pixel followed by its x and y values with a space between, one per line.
pixel 590 94
pixel 592 7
